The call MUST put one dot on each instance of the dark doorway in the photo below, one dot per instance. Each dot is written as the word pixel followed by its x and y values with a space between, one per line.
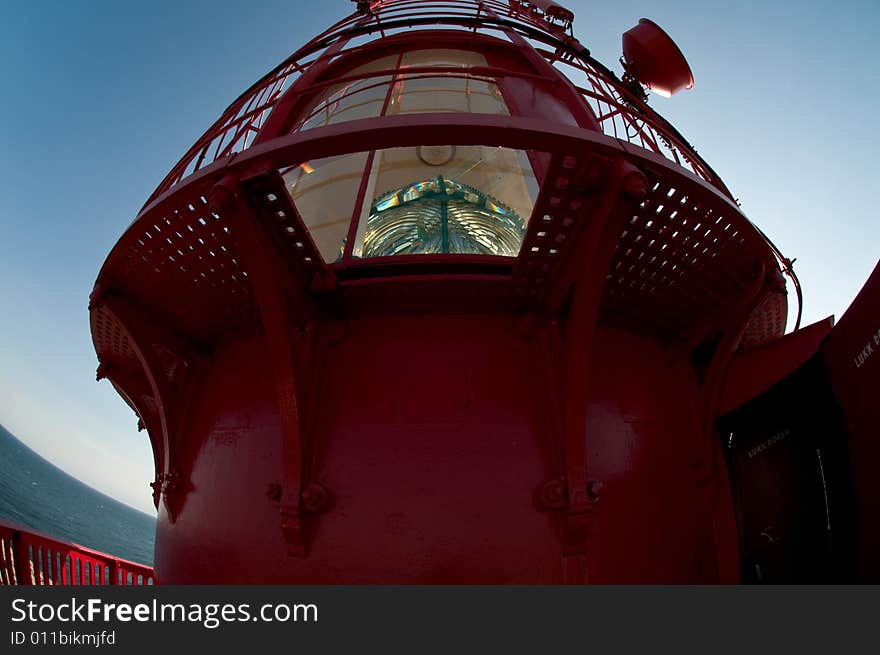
pixel 787 461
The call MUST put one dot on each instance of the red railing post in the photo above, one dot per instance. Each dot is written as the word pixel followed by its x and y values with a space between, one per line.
pixel 22 559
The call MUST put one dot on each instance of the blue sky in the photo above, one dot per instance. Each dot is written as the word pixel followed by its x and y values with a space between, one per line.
pixel 100 99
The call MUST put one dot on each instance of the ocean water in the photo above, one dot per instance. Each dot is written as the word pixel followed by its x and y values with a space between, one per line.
pixel 40 496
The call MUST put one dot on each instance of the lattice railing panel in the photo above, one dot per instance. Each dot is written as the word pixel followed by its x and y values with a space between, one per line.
pixel 184 260
pixel 768 321
pixel 559 210
pixel 110 339
pixel 680 256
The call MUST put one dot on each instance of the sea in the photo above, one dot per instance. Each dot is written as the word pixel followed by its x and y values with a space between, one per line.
pixel 39 495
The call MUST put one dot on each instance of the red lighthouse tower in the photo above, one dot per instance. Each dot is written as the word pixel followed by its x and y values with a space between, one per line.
pixel 441 299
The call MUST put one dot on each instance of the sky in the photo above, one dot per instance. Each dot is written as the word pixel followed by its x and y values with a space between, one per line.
pixel 100 99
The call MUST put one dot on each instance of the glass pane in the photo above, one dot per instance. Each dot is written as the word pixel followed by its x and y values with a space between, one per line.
pixel 351 100
pixel 440 92
pixel 446 199
pixel 324 192
pixel 413 92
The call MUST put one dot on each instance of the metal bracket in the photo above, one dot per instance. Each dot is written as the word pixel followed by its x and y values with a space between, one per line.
pixel 244 204
pixel 593 256
pixel 169 383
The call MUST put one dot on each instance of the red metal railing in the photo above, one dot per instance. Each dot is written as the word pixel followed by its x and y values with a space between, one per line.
pixel 619 113
pixel 31 558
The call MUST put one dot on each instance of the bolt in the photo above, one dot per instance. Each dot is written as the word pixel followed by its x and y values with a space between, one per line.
pixel 594 489
pixel 273 491
pixel 223 194
pixel 553 494
pixel 315 497
pixel 635 185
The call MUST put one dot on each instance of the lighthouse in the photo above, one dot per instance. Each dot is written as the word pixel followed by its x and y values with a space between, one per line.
pixel 442 299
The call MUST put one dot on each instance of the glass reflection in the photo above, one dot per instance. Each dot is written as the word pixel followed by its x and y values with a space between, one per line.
pixel 440 216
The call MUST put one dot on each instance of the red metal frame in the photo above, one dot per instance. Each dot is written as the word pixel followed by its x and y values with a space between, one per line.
pixel 623 116
pixel 852 355
pixel 160 387
pixel 623 188
pixel 527 134
pixel 758 369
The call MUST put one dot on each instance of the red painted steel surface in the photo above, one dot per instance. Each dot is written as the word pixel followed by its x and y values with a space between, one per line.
pixel 434 437
pixel 852 355
pixel 545 418
pixel 758 369
pixel 31 558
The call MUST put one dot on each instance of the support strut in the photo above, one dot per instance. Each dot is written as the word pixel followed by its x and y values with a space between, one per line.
pixel 625 186
pixel 267 274
pixel 170 381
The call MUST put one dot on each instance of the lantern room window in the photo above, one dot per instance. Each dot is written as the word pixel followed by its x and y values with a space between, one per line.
pixel 424 200
pixel 451 91
pixel 354 99
pixel 429 200
pixel 446 200
pixel 417 81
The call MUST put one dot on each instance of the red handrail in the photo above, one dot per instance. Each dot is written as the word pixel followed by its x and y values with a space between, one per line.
pixel 627 117
pixel 31 558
